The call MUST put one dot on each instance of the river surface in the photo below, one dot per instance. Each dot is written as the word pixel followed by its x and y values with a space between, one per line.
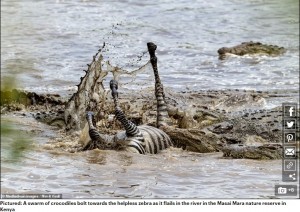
pixel 47 44
pixel 174 173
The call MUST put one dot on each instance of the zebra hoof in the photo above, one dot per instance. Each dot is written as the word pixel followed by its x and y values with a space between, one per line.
pixel 114 87
pixel 89 114
pixel 151 49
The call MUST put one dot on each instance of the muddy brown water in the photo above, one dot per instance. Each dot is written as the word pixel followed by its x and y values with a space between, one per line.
pixel 49 167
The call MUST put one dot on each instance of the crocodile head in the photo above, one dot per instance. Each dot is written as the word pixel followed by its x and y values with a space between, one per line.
pixel 251 48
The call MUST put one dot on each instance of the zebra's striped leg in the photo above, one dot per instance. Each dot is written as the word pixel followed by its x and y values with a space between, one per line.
pixel 162 118
pixel 130 128
pixel 98 140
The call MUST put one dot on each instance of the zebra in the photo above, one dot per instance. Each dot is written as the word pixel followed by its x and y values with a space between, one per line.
pixel 139 139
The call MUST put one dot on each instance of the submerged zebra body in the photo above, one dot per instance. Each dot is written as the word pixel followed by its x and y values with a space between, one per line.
pixel 150 140
pixel 155 139
pixel 140 139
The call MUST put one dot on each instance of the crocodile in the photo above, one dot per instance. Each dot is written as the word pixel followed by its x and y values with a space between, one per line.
pixel 204 121
pixel 89 96
pixel 250 48
pixel 254 135
pixel 47 108
pixel 239 132
pixel 204 126
pixel 29 98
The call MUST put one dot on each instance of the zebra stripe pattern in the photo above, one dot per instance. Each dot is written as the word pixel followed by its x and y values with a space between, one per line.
pixel 162 118
pixel 155 139
pixel 130 128
pixel 98 140
pixel 142 139
pixel 150 140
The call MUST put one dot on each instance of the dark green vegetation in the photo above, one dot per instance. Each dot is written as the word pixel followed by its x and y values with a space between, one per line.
pixel 13 140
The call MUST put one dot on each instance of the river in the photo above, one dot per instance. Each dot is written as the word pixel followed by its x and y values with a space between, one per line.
pixel 47 44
